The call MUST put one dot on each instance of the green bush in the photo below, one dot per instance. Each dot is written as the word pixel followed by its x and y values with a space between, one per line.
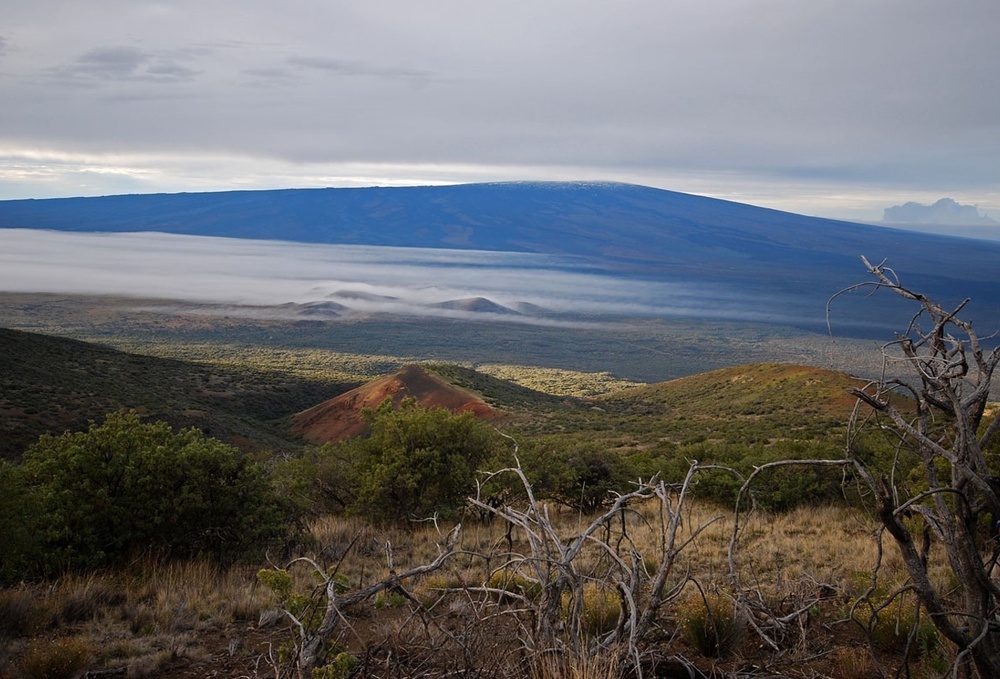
pixel 778 489
pixel 899 624
pixel 389 599
pixel 20 529
pixel 304 607
pixel 340 667
pixel 125 487
pixel 411 463
pixel 582 476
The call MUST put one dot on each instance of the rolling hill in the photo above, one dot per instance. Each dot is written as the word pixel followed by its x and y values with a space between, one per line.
pixel 52 384
pixel 343 416
pixel 783 265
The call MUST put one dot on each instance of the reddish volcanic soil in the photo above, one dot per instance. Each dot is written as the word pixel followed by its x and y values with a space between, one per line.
pixel 341 417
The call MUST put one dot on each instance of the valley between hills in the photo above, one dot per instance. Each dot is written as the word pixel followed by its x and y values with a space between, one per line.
pixel 239 379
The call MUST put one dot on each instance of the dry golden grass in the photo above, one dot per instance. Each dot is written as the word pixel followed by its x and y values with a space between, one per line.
pixel 823 545
pixel 576 667
pixel 55 658
pixel 149 618
pixel 822 552
pixel 143 619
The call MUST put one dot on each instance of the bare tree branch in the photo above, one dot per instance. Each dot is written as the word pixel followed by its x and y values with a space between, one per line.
pixel 940 425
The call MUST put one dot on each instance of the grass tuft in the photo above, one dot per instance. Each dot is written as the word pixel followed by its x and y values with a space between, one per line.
pixel 55 659
pixel 711 623
pixel 599 609
pixel 82 598
pixel 17 613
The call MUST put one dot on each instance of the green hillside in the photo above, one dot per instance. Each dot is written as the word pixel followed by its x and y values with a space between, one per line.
pixel 749 403
pixel 737 416
pixel 51 384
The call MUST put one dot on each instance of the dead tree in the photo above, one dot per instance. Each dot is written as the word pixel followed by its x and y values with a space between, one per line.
pixel 551 567
pixel 313 639
pixel 939 414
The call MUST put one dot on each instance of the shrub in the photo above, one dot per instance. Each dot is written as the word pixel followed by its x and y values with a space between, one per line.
pixel 897 625
pixel 582 476
pixel 412 463
pixel 340 667
pixel 433 588
pixel 278 580
pixel 510 580
pixel 782 488
pixel 20 530
pixel 124 486
pixel 303 607
pixel 389 599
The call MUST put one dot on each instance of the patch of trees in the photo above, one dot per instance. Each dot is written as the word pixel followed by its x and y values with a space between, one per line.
pixel 413 463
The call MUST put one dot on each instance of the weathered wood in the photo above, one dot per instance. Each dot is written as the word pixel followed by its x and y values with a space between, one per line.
pixel 952 375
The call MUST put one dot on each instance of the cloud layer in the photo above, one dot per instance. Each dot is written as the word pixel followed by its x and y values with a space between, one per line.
pixel 268 278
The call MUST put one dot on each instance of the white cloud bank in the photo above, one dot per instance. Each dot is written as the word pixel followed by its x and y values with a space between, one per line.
pixel 244 276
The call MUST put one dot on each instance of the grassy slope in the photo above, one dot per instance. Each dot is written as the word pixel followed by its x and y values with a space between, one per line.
pixel 242 393
pixel 50 384
pixel 755 404
pixel 759 403
pixel 762 399
pixel 502 394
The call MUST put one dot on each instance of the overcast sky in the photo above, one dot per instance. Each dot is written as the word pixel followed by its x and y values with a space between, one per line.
pixel 826 107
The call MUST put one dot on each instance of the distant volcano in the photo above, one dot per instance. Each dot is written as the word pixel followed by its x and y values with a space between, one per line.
pixel 342 417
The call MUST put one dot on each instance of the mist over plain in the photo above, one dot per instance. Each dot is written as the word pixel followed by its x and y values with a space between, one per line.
pixel 265 278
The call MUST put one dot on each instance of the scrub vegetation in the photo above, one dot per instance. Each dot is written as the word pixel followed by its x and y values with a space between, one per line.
pixel 727 523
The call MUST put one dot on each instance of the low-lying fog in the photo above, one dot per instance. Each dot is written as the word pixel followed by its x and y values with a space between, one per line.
pixel 257 277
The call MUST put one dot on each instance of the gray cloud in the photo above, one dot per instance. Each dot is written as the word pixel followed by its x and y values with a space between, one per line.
pixel 110 62
pixel 945 212
pixel 355 68
pixel 124 63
